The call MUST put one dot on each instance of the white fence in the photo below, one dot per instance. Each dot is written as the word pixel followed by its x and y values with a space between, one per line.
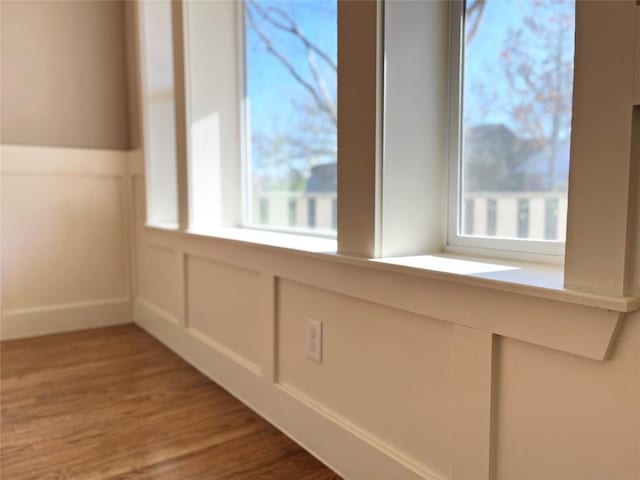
pixel 296 210
pixel 535 215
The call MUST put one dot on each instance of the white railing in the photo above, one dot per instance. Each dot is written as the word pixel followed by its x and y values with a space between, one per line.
pixel 535 215
pixel 296 209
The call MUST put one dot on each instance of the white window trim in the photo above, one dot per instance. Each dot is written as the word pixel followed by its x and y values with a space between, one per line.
pixel 590 274
pixel 244 128
pixel 534 250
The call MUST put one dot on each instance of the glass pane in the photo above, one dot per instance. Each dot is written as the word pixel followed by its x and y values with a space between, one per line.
pixel 516 118
pixel 291 89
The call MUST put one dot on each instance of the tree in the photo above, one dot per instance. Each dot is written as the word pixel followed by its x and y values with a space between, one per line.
pixel 313 140
pixel 527 91
pixel 538 63
pixel 473 17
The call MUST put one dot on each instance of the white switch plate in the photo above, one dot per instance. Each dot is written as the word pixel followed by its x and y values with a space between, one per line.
pixel 313 340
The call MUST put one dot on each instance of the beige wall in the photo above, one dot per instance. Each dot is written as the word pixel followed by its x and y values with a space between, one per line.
pixel 65 115
pixel 133 73
pixel 64 77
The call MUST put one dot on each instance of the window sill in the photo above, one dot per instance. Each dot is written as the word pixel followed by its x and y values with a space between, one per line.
pixel 525 301
pixel 268 238
pixel 524 278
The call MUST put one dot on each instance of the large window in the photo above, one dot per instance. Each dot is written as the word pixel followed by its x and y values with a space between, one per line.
pixel 291 114
pixel 510 148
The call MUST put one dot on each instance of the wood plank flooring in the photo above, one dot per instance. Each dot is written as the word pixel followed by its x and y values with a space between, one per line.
pixel 113 403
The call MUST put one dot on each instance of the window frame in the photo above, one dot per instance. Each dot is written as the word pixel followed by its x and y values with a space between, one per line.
pixel 540 250
pixel 244 128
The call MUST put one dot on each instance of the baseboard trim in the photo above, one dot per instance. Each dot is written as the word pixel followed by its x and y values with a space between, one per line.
pixel 36 321
pixel 155 310
pixel 348 453
pixel 141 305
pixel 364 436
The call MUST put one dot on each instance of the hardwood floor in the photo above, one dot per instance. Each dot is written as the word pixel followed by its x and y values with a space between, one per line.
pixel 115 403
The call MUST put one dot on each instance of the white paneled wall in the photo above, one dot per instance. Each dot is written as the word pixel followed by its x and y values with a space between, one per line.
pixel 64 239
pixel 420 379
pixel 371 353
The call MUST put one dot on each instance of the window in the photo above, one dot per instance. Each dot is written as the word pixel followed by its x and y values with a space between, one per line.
pixel 510 144
pixel 290 176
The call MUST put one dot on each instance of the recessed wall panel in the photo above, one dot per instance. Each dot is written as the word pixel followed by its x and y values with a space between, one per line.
pixel 62 240
pixel 564 416
pixel 383 370
pixel 222 305
pixel 158 282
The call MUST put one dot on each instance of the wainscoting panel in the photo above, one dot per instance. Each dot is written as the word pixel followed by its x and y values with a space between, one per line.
pixel 158 278
pixel 344 448
pixel 387 371
pixel 401 394
pixel 222 306
pixel 562 416
pixel 64 239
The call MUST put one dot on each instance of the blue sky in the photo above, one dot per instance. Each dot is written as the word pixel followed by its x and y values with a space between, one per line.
pixel 482 56
pixel 483 50
pixel 270 88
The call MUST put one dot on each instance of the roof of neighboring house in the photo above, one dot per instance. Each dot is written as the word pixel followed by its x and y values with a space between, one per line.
pixel 324 178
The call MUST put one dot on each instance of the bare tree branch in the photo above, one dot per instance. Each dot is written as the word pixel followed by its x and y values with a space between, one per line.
pixel 288 155
pixel 291 27
pixel 318 91
pixel 322 87
pixel 474 13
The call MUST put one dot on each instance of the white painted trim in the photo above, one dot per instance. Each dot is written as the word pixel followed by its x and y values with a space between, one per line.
pixel 379 129
pixel 214 102
pixel 143 97
pixel 244 127
pixel 544 251
pixel 414 152
pixel 350 453
pixel 181 112
pixel 145 309
pixel 155 310
pixel 128 230
pixel 227 352
pixel 324 249
pixel 156 211
pixel 36 160
pixel 50 161
pixel 181 267
pixel 505 254
pixel 600 213
pixel 472 385
pixel 553 318
pixel 377 443
pixel 359 139
pixel 268 323
pixel 636 88
pixel 44 320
